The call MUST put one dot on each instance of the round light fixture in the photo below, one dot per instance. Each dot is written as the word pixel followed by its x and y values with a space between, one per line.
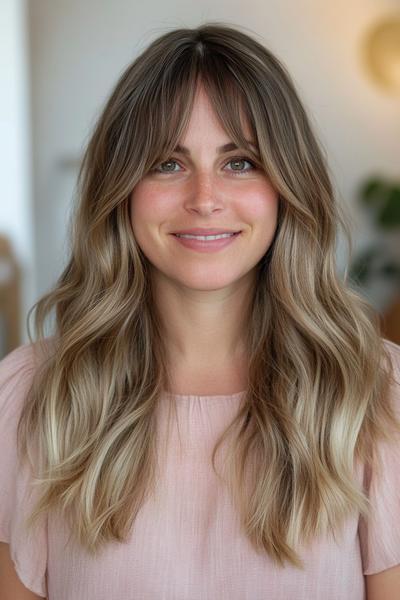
pixel 381 51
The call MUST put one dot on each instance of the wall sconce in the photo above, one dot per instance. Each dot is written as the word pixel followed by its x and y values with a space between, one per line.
pixel 381 53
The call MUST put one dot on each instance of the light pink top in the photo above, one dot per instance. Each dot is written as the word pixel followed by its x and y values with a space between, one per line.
pixel 186 543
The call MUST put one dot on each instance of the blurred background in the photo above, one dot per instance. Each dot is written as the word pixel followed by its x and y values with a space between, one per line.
pixel 61 58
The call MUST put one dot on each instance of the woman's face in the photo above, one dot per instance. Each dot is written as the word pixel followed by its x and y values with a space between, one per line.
pixel 206 187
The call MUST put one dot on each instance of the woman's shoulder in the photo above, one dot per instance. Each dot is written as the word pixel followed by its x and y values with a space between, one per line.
pixel 28 550
pixel 27 355
pixel 18 358
pixel 393 349
pixel 17 370
pixel 380 534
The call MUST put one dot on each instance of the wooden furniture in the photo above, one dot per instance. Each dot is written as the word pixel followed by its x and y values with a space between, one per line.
pixel 9 295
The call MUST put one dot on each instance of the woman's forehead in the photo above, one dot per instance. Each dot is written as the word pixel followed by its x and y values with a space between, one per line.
pixel 204 122
pixel 188 109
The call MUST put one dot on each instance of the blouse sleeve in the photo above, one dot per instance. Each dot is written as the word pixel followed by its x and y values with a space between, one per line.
pixel 28 549
pixel 380 534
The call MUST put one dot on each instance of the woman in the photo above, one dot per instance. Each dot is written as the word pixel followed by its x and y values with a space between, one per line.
pixel 216 414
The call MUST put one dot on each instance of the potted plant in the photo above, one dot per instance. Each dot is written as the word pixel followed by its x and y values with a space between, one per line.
pixel 382 200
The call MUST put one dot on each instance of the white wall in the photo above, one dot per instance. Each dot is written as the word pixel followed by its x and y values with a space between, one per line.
pixel 80 48
pixel 15 202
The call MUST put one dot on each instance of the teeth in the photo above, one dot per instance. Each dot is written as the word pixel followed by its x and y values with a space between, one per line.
pixel 204 237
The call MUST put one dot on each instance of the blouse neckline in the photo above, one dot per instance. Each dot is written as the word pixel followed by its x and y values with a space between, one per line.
pixel 205 397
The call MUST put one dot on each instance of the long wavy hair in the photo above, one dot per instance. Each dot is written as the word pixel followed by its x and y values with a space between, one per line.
pixel 318 374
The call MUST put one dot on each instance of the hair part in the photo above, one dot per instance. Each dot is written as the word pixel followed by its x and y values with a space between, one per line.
pixel 319 373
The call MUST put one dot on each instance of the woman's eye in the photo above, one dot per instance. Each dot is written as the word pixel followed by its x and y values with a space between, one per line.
pixel 238 163
pixel 170 166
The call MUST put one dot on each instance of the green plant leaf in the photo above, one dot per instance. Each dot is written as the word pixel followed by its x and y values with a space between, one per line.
pixel 361 268
pixel 373 191
pixel 389 216
pixel 391 270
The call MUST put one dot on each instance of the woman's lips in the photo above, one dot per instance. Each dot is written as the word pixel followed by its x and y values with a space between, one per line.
pixel 207 245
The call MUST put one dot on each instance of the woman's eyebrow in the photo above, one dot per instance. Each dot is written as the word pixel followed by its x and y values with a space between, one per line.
pixel 225 148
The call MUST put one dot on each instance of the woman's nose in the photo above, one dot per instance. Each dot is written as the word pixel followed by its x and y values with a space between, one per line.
pixel 204 195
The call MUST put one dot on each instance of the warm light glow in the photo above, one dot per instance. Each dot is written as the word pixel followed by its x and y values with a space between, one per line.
pixel 382 53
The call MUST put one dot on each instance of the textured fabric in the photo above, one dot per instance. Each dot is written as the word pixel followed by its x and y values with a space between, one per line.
pixel 186 543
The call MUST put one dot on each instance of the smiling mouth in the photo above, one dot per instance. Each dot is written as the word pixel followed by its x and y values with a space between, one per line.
pixel 206 238
pixel 206 243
